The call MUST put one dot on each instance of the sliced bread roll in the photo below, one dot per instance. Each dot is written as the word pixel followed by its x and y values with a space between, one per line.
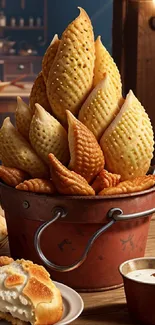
pixel 27 294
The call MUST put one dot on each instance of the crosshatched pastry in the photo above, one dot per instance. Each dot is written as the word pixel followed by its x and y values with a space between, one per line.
pixel 104 63
pixel 12 176
pixel 86 155
pixel 37 185
pixel 128 142
pixel 71 75
pixel 23 117
pixel 77 123
pixel 38 94
pixel 47 135
pixel 27 294
pixel 100 107
pixel 137 184
pixel 17 152
pixel 104 180
pixel 49 56
pixel 66 181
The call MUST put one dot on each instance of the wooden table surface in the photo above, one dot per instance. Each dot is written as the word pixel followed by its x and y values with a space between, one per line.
pixel 109 307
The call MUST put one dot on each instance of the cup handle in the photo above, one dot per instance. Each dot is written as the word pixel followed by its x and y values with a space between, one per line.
pixel 115 214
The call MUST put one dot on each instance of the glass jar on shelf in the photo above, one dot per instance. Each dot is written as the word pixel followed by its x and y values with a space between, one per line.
pixel 38 21
pixel 21 22
pixel 13 22
pixel 2 19
pixel 31 21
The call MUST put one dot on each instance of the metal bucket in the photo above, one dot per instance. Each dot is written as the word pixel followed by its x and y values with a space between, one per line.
pixel 68 231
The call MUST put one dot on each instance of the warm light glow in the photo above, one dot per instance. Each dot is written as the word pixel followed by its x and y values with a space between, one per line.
pixel 153 2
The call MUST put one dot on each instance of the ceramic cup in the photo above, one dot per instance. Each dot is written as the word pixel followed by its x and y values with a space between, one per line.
pixel 139 288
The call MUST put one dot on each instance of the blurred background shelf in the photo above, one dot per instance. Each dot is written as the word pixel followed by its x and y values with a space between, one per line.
pixel 22 28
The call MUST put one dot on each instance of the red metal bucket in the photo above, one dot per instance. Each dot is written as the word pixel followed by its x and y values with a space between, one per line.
pixel 59 229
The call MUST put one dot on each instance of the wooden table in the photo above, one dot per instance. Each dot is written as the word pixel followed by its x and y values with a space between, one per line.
pixel 109 307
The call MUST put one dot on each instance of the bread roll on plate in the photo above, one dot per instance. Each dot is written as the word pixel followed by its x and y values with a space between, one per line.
pixel 27 294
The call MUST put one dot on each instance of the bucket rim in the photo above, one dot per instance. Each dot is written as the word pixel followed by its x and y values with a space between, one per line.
pixel 76 197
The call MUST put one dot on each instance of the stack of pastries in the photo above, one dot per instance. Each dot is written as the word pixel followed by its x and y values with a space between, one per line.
pixel 78 135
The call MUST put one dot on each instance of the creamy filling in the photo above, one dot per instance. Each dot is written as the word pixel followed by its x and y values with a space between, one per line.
pixel 145 275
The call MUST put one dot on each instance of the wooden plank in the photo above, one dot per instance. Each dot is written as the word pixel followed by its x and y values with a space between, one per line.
pixel 119 17
pixel 145 88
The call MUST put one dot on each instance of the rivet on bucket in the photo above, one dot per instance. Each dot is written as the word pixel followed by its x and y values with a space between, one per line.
pixel 26 204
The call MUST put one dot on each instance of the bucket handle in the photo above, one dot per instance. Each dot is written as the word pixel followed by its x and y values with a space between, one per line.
pixel 115 214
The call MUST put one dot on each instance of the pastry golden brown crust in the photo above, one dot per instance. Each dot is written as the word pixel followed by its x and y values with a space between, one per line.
pixel 12 176
pixel 49 56
pixel 128 142
pixel 5 260
pixel 47 135
pixel 104 63
pixel 100 107
pixel 86 155
pixel 23 116
pixel 137 184
pixel 17 152
pixel 38 94
pixel 66 181
pixel 105 179
pixel 36 299
pixel 71 75
pixel 37 186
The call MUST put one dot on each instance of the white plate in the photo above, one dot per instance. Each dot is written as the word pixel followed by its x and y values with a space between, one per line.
pixel 72 303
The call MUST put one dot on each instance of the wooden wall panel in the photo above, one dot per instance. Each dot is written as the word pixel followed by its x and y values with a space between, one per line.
pixel 134 49
pixel 145 83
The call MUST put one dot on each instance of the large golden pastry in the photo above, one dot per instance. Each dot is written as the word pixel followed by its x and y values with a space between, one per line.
pixel 100 107
pixel 49 56
pixel 38 94
pixel 48 135
pixel 71 75
pixel 86 155
pixel 128 142
pixel 27 294
pixel 17 152
pixel 12 176
pixel 104 63
pixel 23 116
pixel 137 184
pixel 66 181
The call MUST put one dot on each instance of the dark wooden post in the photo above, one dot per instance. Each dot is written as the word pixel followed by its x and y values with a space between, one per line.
pixel 134 49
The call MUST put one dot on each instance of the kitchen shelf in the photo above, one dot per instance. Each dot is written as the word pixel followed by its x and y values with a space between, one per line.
pixel 23 28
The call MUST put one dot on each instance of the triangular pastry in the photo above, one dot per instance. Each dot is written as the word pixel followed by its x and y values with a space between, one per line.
pixel 66 181
pixel 49 56
pixel 100 108
pixel 17 152
pixel 38 94
pixel 71 75
pixel 23 116
pixel 86 155
pixel 128 142
pixel 47 135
